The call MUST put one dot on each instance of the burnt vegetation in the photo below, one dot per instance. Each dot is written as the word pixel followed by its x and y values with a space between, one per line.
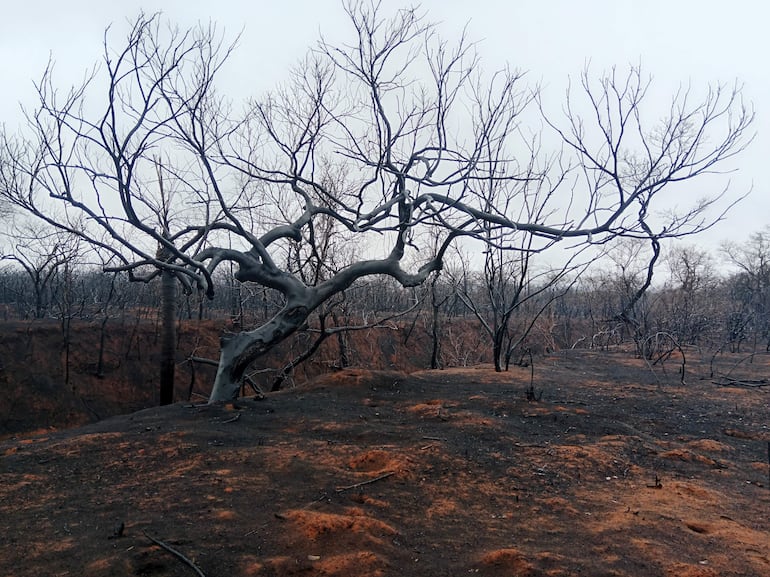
pixel 69 327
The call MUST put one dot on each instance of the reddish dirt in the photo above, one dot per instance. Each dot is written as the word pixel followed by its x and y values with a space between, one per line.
pixel 615 471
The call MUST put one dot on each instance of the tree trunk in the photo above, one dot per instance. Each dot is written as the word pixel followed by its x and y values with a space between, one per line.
pixel 168 337
pixel 103 328
pixel 342 343
pixel 66 327
pixel 238 351
pixel 497 352
pixel 435 333
pixel 435 354
pixel 102 342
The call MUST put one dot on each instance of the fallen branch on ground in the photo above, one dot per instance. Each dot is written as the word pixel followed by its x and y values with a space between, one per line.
pixel 362 483
pixel 176 554
pixel 751 383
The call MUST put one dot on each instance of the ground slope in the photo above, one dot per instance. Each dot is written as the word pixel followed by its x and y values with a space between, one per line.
pixel 615 471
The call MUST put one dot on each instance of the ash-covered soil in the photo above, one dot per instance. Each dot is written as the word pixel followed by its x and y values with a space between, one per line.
pixel 615 471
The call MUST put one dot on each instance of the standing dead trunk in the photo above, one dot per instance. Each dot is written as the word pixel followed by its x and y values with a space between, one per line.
pixel 435 355
pixel 342 342
pixel 102 344
pixel 498 350
pixel 168 337
pixel 103 327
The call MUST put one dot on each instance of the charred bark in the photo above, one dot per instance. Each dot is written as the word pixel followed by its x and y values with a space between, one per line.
pixel 168 337
pixel 240 350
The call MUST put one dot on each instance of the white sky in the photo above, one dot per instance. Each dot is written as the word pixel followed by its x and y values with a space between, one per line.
pixel 677 41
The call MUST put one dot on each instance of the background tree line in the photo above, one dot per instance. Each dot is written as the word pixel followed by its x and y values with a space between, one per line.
pixel 497 314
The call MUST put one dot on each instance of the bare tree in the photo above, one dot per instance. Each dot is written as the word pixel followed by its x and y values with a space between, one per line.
pixel 694 303
pixel 751 288
pixel 42 253
pixel 409 119
pixel 629 280
pixel 511 293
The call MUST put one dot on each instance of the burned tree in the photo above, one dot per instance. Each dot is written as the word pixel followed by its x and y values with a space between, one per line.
pixel 405 116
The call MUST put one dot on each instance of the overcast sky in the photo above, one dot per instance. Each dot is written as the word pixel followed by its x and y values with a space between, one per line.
pixel 677 41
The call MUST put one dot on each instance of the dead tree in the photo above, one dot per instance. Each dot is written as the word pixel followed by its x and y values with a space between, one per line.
pixel 405 116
